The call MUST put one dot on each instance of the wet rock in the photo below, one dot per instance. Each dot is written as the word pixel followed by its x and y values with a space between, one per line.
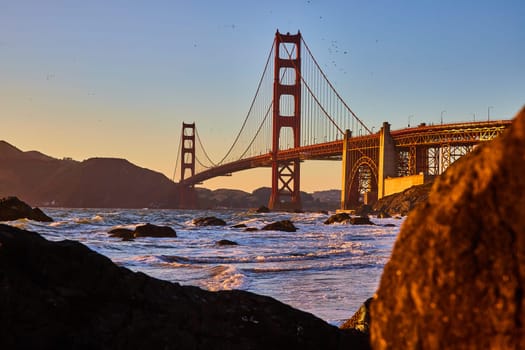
pixel 337 218
pixel 209 221
pixel 389 225
pixel 263 209
pixel 149 230
pixel 402 203
pixel 12 208
pixel 251 229
pixel 125 233
pixel 360 220
pixel 239 226
pixel 283 225
pixel 226 242
pixel 62 295
pixel 361 319
pixel 455 279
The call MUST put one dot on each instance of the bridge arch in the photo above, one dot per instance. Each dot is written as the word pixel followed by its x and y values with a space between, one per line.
pixel 363 181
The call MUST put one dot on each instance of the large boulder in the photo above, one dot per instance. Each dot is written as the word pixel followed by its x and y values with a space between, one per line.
pixel 456 278
pixel 337 218
pixel 209 221
pixel 150 230
pixel 125 233
pixel 345 218
pixel 62 295
pixel 283 225
pixel 12 208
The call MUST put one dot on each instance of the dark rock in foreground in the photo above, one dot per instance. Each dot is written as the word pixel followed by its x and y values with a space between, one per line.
pixel 62 295
pixel 283 225
pixel 209 221
pixel 12 208
pixel 150 230
pixel 456 278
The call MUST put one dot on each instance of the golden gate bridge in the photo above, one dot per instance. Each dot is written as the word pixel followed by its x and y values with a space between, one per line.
pixel 297 115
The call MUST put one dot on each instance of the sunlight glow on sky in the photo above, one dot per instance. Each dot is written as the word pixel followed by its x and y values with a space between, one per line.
pixel 117 78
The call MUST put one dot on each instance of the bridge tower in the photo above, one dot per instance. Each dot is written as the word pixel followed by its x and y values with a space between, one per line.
pixel 286 173
pixel 187 194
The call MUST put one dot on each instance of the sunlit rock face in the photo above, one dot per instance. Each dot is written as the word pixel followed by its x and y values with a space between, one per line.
pixel 456 278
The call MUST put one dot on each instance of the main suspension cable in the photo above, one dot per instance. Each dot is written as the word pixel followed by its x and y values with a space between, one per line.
pixel 333 89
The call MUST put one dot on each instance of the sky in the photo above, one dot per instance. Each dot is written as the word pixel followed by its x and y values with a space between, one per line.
pixel 116 78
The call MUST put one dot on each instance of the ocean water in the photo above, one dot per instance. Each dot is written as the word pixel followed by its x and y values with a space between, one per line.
pixel 327 270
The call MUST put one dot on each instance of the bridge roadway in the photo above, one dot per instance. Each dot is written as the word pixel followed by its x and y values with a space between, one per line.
pixel 456 134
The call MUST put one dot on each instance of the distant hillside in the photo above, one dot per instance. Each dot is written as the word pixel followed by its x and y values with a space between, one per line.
pixel 97 182
pixel 227 198
pixel 41 180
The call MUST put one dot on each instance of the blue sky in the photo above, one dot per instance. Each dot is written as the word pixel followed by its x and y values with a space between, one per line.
pixel 117 78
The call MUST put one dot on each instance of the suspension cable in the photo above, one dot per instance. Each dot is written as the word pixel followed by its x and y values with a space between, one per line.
pixel 177 161
pixel 333 89
pixel 252 104
pixel 311 93
pixel 203 149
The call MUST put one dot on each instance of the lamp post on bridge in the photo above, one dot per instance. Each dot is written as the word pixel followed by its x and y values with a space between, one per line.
pixel 410 117
pixel 488 112
pixel 442 115
pixel 474 115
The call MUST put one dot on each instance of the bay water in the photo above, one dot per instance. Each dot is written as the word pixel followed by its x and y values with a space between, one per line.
pixel 327 270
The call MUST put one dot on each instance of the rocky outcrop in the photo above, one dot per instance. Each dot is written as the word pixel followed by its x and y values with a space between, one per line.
pixel 147 230
pixel 402 203
pixel 150 230
pixel 361 319
pixel 456 278
pixel 125 233
pixel 283 225
pixel 209 221
pixel 346 218
pixel 337 218
pixel 12 208
pixel 62 295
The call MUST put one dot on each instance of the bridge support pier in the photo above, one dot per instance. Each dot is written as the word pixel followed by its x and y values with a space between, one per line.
pixel 285 186
pixel 387 158
pixel 346 176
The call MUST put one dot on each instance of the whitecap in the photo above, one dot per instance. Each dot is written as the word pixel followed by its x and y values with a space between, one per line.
pixel 225 277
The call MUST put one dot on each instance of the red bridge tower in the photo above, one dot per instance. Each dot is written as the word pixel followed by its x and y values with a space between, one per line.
pixel 187 195
pixel 286 173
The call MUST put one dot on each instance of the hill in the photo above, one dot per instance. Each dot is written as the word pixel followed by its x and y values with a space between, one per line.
pixel 97 182
pixel 41 180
